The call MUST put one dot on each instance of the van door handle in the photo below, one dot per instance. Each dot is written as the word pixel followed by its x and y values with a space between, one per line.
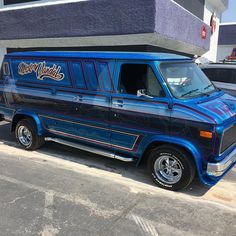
pixel 118 103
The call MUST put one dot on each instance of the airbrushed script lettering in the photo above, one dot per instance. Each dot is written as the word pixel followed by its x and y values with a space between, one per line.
pixel 41 70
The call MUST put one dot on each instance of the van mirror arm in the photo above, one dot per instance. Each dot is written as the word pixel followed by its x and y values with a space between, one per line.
pixel 143 93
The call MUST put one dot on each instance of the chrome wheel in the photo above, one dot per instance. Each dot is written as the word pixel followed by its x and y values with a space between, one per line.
pixel 24 136
pixel 168 169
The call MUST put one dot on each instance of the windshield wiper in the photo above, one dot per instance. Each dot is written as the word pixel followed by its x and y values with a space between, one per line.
pixel 208 86
pixel 190 92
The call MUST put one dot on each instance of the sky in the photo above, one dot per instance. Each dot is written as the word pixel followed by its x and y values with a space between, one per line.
pixel 230 14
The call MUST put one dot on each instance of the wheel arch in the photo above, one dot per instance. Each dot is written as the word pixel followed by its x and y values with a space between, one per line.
pixel 177 142
pixel 20 115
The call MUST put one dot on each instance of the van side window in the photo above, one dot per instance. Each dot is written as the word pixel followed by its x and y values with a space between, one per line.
pixel 79 75
pixel 221 75
pixel 105 76
pixel 6 68
pixel 91 76
pixel 210 73
pixel 233 76
pixel 135 77
pixel 224 75
pixel 1 77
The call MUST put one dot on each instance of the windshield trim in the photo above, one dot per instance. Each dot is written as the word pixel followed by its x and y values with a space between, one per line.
pixel 171 92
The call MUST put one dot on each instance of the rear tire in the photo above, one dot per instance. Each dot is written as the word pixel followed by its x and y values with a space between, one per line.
pixel 170 167
pixel 26 135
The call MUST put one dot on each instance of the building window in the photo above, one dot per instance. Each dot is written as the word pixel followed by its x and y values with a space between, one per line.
pixel 9 2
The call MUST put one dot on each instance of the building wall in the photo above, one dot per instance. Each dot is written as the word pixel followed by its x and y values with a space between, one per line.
pixel 224 51
pixel 3 51
pixel 227 40
pixel 125 26
pixel 196 7
pixel 209 9
pixel 103 23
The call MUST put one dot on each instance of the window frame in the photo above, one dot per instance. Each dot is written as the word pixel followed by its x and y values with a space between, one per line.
pixel 107 63
pixel 4 66
pixel 139 63
pixel 87 76
pixel 167 85
pixel 73 75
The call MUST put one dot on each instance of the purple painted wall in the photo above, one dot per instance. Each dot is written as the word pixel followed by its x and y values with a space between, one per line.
pixel 104 17
pixel 179 24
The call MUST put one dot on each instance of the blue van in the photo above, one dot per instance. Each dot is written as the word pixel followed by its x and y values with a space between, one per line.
pixel 152 107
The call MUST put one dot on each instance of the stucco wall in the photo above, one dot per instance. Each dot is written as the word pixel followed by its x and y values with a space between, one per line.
pixel 164 18
pixel 2 53
pixel 176 22
pixel 209 9
pixel 85 18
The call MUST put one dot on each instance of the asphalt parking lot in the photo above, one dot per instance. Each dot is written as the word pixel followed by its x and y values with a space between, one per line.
pixel 62 191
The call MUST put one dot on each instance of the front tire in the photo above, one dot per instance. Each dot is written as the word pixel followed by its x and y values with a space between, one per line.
pixel 170 167
pixel 26 135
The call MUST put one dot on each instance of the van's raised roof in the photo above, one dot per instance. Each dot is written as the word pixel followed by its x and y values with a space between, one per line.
pixel 102 55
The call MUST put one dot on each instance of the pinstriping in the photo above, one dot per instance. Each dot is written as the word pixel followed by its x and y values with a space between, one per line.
pixel 92 140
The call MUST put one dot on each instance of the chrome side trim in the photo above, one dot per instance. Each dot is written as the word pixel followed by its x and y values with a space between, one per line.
pixel 218 169
pixel 90 149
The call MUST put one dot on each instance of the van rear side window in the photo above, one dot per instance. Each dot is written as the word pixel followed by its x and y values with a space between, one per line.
pixel 91 76
pixel 1 76
pixel 79 75
pixel 105 76
pixel 6 68
pixel 41 72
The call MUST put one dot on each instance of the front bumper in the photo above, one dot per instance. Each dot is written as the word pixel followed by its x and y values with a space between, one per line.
pixel 219 168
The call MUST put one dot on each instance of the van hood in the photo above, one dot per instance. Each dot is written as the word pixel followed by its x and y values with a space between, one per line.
pixel 216 109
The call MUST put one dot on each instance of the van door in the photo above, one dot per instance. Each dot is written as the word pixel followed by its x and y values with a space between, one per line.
pixel 139 107
pixel 93 104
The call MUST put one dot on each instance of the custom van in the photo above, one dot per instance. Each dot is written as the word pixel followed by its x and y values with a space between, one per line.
pixel 155 108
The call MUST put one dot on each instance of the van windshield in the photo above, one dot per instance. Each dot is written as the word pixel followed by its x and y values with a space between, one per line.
pixel 186 80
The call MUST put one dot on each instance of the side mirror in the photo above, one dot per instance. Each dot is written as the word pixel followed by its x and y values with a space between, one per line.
pixel 143 93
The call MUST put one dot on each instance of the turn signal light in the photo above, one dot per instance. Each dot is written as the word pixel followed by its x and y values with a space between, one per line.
pixel 206 134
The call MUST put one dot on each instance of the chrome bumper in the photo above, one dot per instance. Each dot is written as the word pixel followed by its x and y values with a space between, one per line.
pixel 218 169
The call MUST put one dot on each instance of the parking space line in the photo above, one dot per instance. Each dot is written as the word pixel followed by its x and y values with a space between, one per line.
pixel 145 225
pixel 48 229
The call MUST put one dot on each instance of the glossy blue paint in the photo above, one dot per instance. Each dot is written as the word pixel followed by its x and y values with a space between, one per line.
pixel 32 115
pixel 77 96
pixel 178 142
pixel 102 55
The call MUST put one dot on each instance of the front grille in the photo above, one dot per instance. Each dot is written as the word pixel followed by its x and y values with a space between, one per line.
pixel 229 138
